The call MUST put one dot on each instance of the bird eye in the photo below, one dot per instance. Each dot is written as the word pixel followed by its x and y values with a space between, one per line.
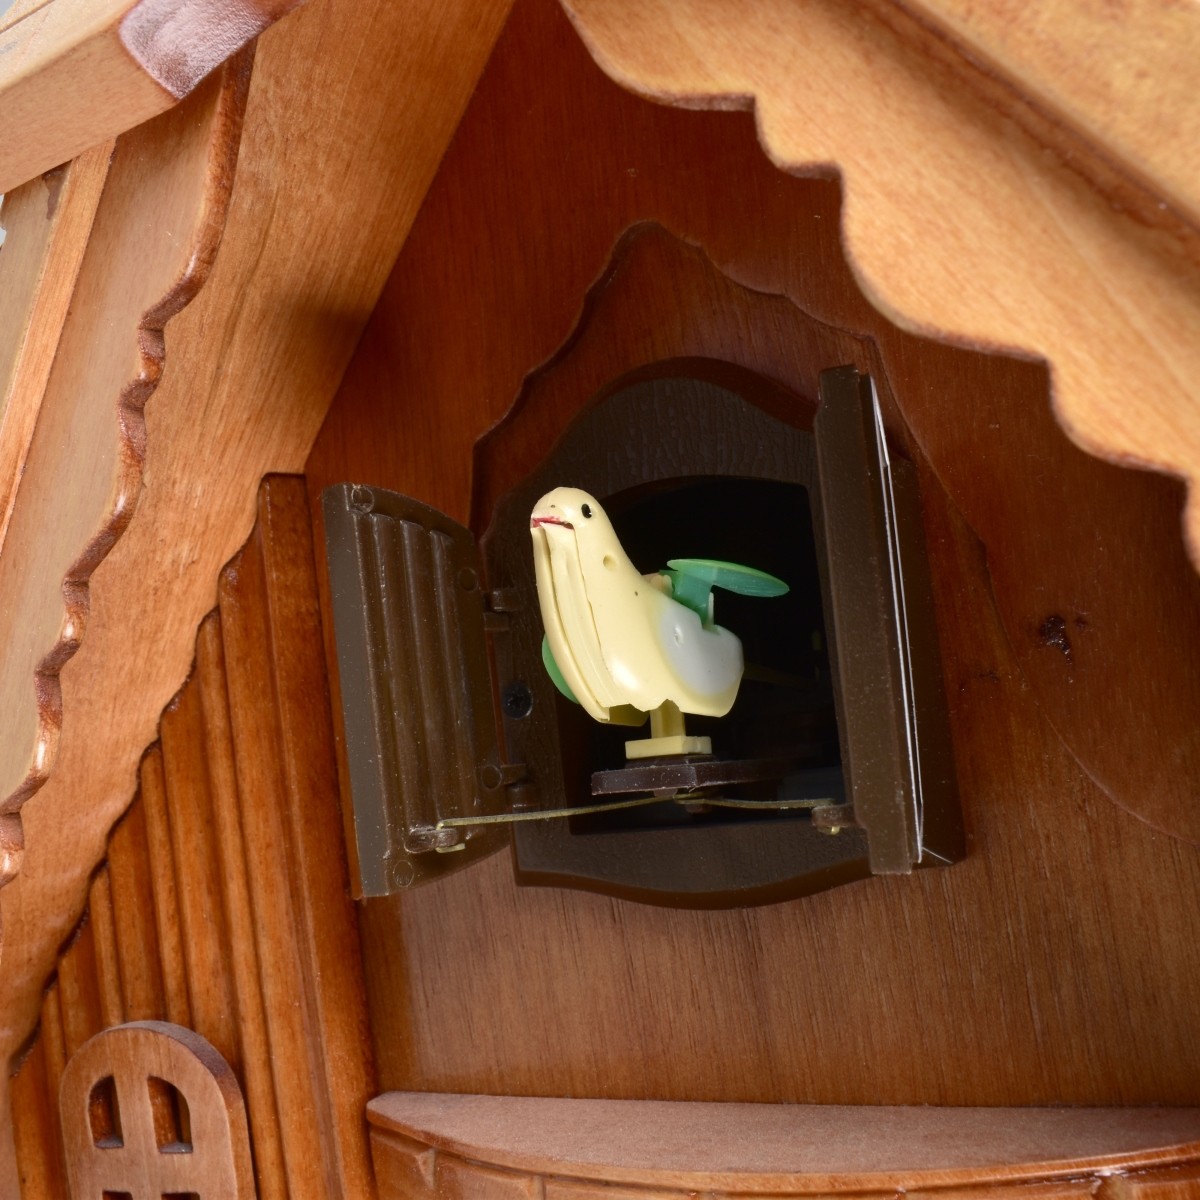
pixel 586 510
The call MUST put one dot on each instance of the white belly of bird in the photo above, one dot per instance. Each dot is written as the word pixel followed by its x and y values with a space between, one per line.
pixel 654 649
pixel 618 640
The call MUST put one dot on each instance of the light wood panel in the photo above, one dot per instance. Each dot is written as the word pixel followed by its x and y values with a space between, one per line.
pixel 201 1148
pixel 1121 78
pixel 19 9
pixel 977 984
pixel 426 1144
pixel 956 222
pixel 223 902
pixel 151 245
pixel 333 163
pixel 47 222
pixel 74 73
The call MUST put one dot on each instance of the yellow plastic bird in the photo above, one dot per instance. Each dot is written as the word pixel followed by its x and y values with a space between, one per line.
pixel 622 642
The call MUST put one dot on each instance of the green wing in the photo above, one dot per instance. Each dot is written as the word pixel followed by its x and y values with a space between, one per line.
pixel 693 578
pixel 555 674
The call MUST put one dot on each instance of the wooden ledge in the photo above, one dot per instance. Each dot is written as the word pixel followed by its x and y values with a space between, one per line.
pixel 767 1148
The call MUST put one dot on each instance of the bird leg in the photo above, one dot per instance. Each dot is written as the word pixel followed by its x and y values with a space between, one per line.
pixel 666 721
pixel 667 736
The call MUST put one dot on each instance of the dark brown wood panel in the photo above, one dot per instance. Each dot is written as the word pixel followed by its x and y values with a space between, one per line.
pixel 223 904
pixel 1058 963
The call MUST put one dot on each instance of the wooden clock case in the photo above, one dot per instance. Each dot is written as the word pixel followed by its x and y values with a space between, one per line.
pixel 577 239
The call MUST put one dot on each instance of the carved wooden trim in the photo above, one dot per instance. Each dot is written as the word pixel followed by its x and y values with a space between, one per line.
pixel 152 244
pixel 956 223
pixel 426 1144
pixel 152 1108
pixel 47 221
pixel 223 902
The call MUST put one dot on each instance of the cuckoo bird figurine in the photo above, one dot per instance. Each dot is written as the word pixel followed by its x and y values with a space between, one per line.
pixel 623 644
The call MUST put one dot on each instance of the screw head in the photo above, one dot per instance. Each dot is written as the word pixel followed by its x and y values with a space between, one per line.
pixel 517 699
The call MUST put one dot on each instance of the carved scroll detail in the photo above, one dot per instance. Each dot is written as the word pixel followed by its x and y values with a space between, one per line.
pixel 152 245
pixel 222 903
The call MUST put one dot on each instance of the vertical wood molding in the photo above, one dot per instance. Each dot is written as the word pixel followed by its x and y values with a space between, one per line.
pixel 255 1049
pixel 224 901
pixel 333 164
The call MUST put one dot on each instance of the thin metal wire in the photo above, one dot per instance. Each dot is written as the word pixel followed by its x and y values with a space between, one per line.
pixel 640 802
pixel 722 802
pixel 543 814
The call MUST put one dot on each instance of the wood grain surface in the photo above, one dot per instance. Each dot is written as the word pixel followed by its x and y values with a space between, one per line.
pixel 1055 964
pixel 18 10
pixel 314 225
pixel 956 221
pixel 223 901
pixel 1020 975
pixel 171 1104
pixel 47 222
pixel 81 472
pixel 1121 79
pixel 75 73
pixel 73 503
pixel 585 1147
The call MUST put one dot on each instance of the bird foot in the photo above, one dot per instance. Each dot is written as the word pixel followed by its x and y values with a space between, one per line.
pixel 658 747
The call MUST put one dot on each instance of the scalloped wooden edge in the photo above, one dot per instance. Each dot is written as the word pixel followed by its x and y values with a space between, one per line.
pixel 211 122
pixel 254 364
pixel 958 224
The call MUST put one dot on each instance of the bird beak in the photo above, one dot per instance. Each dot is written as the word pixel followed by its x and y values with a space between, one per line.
pixel 535 521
